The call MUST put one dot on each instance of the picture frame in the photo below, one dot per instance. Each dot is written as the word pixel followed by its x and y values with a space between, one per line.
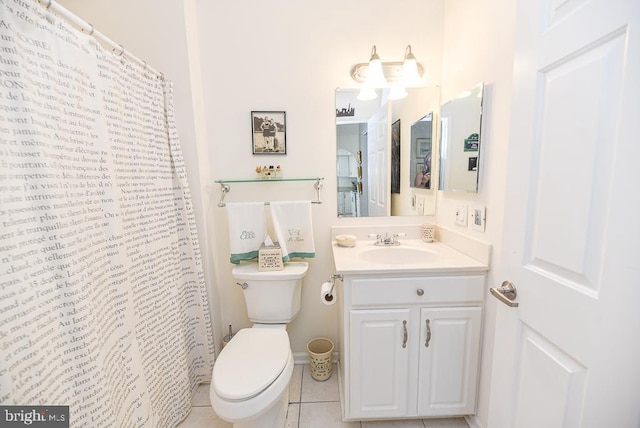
pixel 423 147
pixel 472 143
pixel 269 132
pixel 395 157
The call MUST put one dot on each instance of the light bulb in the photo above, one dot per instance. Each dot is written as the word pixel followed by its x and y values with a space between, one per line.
pixel 375 74
pixel 367 93
pixel 410 74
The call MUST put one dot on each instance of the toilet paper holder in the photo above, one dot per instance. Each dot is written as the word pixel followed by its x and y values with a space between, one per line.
pixel 333 278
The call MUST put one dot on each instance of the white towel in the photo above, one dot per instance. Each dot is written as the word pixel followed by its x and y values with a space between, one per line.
pixel 294 229
pixel 247 229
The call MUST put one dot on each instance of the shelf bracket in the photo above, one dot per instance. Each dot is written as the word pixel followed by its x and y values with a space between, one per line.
pixel 318 187
pixel 224 188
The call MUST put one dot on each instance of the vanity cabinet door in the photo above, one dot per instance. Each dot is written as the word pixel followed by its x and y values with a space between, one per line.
pixel 449 350
pixel 379 363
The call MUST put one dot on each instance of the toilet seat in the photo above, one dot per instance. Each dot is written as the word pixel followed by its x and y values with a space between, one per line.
pixel 251 362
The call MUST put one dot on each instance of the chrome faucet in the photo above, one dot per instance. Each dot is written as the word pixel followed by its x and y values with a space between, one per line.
pixel 387 240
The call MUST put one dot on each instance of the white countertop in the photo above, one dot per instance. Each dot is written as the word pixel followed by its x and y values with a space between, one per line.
pixel 434 257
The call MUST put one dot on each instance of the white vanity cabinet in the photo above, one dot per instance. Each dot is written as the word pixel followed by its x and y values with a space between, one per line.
pixel 410 345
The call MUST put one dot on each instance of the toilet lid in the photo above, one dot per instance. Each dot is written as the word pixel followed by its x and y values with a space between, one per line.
pixel 252 360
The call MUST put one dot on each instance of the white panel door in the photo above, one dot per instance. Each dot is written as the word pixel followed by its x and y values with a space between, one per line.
pixel 449 347
pixel 379 362
pixel 569 355
pixel 378 175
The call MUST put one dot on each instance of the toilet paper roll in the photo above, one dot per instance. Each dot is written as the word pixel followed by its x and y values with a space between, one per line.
pixel 326 296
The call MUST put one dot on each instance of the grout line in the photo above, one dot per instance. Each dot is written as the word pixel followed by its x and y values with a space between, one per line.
pixel 300 405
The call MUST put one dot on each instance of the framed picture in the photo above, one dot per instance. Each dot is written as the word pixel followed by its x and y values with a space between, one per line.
pixel 423 147
pixel 471 143
pixel 395 157
pixel 269 132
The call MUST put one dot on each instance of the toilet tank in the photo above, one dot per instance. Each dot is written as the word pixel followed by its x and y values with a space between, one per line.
pixel 271 297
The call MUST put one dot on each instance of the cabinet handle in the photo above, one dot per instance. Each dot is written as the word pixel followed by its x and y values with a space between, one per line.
pixel 426 344
pixel 420 292
pixel 405 334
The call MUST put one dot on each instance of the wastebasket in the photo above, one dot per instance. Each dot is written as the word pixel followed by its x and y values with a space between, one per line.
pixel 320 350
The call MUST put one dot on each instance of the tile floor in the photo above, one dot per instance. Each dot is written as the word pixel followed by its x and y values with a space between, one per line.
pixel 312 404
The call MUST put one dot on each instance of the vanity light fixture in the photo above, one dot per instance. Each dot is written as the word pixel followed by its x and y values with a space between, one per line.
pixel 394 75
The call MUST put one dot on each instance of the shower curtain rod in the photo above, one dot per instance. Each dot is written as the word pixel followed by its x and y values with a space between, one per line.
pixel 85 27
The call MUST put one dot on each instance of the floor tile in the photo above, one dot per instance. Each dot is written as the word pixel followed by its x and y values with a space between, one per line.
pixel 317 391
pixel 323 415
pixel 295 387
pixel 314 405
pixel 446 423
pixel 201 397
pixel 414 423
pixel 293 414
pixel 203 417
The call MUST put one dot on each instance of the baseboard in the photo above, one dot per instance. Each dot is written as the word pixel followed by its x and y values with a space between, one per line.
pixel 473 421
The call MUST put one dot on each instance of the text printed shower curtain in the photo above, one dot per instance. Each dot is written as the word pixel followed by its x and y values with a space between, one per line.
pixel 102 298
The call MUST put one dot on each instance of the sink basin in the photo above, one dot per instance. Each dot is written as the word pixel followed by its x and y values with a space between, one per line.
pixel 398 255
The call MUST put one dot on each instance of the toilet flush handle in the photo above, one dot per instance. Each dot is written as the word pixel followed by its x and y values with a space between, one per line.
pixel 244 285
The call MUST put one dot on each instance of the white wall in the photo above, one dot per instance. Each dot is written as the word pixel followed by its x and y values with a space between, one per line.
pixel 478 46
pixel 283 55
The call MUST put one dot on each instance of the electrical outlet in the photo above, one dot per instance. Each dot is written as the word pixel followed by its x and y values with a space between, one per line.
pixel 478 217
pixel 461 215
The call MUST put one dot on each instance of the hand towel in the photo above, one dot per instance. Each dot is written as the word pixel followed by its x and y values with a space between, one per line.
pixel 294 228
pixel 247 229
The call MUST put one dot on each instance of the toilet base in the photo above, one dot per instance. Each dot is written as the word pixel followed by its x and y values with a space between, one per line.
pixel 273 418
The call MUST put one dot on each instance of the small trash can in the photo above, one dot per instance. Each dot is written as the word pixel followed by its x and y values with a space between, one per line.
pixel 320 350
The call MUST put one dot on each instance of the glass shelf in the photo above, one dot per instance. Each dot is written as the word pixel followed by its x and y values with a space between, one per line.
pixel 260 180
pixel 225 188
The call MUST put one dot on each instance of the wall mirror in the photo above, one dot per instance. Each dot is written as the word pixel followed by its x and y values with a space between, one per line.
pixel 421 152
pixel 460 138
pixel 374 153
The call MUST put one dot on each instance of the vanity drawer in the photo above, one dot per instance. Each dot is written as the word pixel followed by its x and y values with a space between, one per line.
pixel 438 289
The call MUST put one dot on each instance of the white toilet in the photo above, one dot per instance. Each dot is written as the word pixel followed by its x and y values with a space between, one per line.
pixel 250 383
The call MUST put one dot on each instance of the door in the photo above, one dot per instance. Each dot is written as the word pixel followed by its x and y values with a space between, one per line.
pixel 569 355
pixel 379 362
pixel 378 175
pixel 448 372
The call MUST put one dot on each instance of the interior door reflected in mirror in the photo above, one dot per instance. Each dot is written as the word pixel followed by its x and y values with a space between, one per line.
pixel 375 164
pixel 460 138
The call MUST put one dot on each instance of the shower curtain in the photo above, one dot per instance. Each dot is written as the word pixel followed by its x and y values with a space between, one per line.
pixel 102 298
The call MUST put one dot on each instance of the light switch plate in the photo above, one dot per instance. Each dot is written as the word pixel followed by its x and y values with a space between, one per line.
pixel 420 206
pixel 461 215
pixel 477 217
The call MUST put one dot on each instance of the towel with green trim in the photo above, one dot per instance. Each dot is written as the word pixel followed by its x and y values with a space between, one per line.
pixel 247 229
pixel 294 228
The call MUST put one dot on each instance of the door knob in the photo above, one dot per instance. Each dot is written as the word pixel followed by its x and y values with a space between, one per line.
pixel 506 293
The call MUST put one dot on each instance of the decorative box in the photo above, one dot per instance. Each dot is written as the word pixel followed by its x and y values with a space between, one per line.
pixel 270 258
